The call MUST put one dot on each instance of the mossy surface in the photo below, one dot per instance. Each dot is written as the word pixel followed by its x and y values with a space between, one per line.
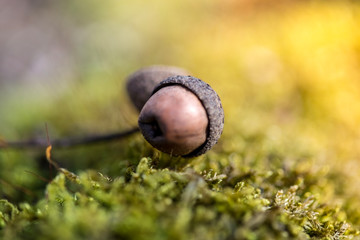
pixel 151 203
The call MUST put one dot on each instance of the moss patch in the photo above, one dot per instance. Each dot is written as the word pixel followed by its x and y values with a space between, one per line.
pixel 166 204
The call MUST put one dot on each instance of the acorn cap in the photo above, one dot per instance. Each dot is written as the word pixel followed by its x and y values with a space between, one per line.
pixel 141 83
pixel 211 102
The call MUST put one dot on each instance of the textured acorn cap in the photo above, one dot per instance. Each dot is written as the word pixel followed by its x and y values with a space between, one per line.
pixel 141 83
pixel 211 103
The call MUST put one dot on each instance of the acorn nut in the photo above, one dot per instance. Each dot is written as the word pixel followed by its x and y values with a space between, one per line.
pixel 183 117
pixel 141 83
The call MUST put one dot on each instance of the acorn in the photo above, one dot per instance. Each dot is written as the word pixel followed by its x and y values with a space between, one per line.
pixel 183 117
pixel 141 83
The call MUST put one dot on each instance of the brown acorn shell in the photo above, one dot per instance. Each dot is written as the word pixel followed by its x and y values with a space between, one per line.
pixel 211 103
pixel 141 83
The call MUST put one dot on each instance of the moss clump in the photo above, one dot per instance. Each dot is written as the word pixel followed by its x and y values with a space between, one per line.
pixel 167 204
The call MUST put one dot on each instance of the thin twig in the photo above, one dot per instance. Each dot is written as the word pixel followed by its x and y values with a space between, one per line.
pixel 67 142
pixel 38 176
pixel 17 187
pixel 46 151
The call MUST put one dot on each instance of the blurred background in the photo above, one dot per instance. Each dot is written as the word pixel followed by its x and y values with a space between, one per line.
pixel 287 73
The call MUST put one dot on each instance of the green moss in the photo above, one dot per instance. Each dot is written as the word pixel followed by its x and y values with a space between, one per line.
pixel 167 204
